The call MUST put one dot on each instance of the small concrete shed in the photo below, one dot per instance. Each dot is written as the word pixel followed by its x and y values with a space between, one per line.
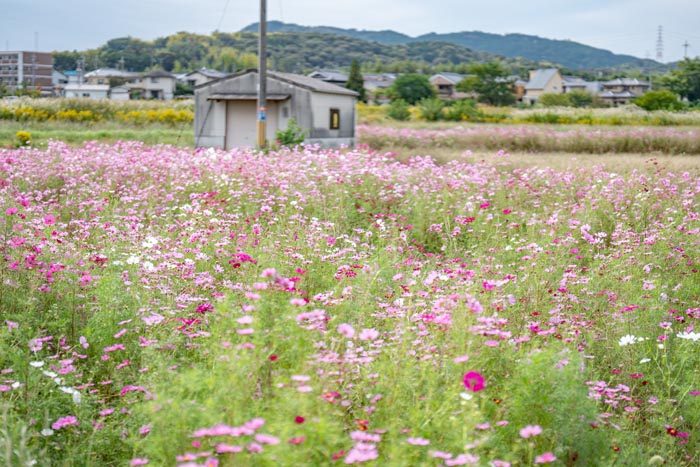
pixel 226 110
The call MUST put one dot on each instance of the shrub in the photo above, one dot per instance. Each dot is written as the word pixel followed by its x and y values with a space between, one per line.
pixel 580 99
pixel 24 138
pixel 399 110
pixel 431 109
pixel 293 136
pixel 464 109
pixel 554 100
pixel 659 100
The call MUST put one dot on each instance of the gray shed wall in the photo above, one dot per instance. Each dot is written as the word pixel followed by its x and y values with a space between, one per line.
pixel 310 109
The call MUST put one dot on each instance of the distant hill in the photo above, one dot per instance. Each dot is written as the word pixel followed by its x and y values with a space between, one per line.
pixel 305 51
pixel 296 52
pixel 569 54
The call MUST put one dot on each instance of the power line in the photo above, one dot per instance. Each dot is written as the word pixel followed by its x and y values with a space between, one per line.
pixel 223 13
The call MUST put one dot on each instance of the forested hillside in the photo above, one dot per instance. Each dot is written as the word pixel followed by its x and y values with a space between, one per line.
pixel 290 52
pixel 569 54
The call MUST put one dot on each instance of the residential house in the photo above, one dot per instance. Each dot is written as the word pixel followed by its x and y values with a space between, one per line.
pixel 158 85
pixel 201 76
pixel 446 85
pixel 74 76
pixel 330 76
pixel 226 110
pixel 574 83
pixel 518 85
pixel 111 76
pixel 59 81
pixel 622 91
pixel 375 85
pixel 119 93
pixel 543 81
pixel 32 71
pixel 87 91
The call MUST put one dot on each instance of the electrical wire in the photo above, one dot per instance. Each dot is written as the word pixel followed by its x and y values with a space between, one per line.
pixel 223 13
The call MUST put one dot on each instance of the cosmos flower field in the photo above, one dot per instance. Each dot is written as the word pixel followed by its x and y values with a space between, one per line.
pixel 174 307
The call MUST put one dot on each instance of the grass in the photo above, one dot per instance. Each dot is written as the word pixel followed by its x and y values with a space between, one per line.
pixel 560 161
pixel 107 132
pixel 534 139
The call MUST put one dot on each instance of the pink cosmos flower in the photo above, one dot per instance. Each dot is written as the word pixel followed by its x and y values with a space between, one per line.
pixel 440 454
pixel 346 330
pixel 138 461
pixel 463 459
pixel 222 448
pixel 545 458
pixel 474 381
pixel 530 430
pixel 266 439
pixel 418 441
pixel 49 220
pixel 68 420
pixel 368 334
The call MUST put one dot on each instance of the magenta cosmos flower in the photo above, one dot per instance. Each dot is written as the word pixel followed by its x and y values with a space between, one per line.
pixel 474 381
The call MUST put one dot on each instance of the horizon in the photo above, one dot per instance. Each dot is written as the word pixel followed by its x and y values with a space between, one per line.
pixel 44 26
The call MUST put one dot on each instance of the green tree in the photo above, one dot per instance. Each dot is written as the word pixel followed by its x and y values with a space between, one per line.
pixel 182 89
pixel 137 54
pixel 412 88
pixel 64 61
pixel 355 81
pixel 490 81
pixel 659 100
pixel 685 80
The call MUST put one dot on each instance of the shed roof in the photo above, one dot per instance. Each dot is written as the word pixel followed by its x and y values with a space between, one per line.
pixel 242 96
pixel 301 81
pixel 208 73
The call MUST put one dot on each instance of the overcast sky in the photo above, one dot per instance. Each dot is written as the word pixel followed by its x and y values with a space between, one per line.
pixel 622 26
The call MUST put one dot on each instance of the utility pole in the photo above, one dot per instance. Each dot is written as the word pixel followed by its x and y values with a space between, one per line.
pixel 685 49
pixel 262 74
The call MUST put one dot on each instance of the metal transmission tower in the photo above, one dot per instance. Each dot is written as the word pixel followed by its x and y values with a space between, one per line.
pixel 660 45
pixel 685 49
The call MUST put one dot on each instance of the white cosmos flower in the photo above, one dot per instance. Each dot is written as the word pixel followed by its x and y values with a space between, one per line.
pixel 629 339
pixel 693 336
pixel 133 260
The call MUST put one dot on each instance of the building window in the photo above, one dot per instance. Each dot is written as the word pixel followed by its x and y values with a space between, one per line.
pixel 335 119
